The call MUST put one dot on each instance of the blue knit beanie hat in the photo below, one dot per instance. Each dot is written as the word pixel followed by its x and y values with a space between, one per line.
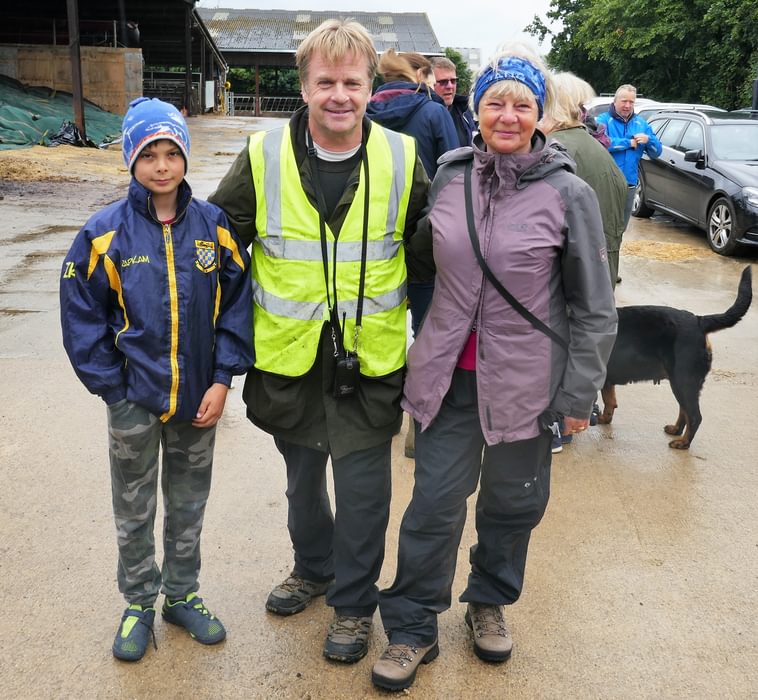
pixel 149 120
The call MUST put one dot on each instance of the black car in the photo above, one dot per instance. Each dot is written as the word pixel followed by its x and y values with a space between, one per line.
pixel 707 175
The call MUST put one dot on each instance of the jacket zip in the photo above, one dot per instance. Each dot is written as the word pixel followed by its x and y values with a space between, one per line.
pixel 174 306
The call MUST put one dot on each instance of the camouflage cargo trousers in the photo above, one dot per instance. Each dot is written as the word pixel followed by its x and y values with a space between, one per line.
pixel 136 437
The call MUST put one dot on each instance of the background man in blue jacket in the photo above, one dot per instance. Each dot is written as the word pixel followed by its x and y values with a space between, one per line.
pixel 631 136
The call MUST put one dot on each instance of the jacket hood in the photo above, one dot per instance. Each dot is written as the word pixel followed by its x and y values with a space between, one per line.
pixel 394 103
pixel 543 159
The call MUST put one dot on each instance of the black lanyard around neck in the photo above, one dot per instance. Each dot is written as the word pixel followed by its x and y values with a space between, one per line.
pixel 337 328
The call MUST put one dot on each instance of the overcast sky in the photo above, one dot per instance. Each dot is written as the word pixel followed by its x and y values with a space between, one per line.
pixel 482 24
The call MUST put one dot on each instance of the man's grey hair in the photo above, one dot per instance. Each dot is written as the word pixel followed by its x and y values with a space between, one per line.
pixel 444 63
pixel 625 88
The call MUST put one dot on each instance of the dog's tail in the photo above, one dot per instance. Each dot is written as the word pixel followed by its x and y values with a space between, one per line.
pixel 717 322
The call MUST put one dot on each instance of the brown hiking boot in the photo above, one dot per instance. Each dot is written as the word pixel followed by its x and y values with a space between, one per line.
pixel 294 594
pixel 397 666
pixel 347 638
pixel 492 640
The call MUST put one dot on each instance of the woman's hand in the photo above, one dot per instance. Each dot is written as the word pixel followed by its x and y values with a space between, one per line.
pixel 574 425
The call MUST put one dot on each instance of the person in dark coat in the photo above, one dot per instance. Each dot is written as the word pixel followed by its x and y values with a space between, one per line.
pixel 446 83
pixel 407 103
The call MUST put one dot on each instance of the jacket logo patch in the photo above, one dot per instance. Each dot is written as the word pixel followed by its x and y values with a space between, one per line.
pixel 69 271
pixel 205 256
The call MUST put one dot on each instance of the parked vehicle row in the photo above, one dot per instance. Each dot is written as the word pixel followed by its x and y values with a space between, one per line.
pixel 706 175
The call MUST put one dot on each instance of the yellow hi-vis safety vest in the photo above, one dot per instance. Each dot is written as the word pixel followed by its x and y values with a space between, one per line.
pixel 290 301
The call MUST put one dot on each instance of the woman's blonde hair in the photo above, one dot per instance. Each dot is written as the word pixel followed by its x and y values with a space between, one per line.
pixel 409 66
pixel 333 40
pixel 421 65
pixel 394 66
pixel 571 94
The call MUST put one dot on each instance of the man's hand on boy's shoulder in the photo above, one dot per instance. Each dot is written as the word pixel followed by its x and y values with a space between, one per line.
pixel 211 407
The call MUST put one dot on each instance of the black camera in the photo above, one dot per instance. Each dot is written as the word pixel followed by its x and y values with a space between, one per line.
pixel 347 369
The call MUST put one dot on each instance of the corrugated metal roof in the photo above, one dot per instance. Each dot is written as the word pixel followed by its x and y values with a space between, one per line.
pixel 283 30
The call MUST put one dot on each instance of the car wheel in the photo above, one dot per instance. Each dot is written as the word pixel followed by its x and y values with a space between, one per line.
pixel 722 236
pixel 640 209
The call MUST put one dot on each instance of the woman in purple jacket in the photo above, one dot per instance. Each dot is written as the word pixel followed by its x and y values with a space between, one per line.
pixel 486 382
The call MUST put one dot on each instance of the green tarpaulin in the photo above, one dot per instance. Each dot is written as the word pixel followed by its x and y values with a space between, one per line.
pixel 30 116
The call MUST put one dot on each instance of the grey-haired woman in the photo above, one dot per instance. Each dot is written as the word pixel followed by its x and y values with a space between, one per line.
pixel 488 377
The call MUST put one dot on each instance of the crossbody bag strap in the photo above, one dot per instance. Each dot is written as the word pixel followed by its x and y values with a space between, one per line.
pixel 494 281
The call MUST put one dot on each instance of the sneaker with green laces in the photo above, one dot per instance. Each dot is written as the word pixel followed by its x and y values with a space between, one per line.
pixel 134 632
pixel 191 613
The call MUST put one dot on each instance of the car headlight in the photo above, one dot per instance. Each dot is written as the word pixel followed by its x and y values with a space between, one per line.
pixel 751 195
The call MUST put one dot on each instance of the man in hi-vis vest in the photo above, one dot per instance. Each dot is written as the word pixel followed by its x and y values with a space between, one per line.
pixel 326 203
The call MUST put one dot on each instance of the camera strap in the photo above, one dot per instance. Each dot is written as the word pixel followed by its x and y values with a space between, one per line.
pixel 338 328
pixel 515 303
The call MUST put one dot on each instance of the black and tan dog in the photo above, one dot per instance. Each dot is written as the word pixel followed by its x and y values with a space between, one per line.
pixel 658 342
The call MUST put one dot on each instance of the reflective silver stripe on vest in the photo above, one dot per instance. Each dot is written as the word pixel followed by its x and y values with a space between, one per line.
pixel 272 147
pixel 398 182
pixel 315 311
pixel 348 251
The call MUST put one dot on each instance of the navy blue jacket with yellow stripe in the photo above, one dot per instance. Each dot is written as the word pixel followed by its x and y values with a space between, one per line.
pixel 157 313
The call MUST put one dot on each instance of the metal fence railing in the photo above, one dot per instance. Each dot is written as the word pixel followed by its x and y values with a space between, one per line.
pixel 170 87
pixel 280 104
pixel 245 104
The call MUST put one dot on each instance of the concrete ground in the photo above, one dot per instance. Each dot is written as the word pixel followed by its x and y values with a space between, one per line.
pixel 641 581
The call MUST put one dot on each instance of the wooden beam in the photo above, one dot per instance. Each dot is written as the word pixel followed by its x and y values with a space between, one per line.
pixel 188 59
pixel 72 8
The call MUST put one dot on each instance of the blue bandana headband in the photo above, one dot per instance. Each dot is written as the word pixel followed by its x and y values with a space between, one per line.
pixel 512 68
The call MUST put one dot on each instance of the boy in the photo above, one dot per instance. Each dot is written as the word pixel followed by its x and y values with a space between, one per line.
pixel 156 315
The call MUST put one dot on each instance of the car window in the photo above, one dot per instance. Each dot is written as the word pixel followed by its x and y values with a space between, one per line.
pixel 735 141
pixel 656 125
pixel 693 139
pixel 599 109
pixel 670 135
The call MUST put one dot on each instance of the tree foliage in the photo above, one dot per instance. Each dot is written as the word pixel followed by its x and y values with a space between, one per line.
pixel 462 71
pixel 671 50
pixel 282 82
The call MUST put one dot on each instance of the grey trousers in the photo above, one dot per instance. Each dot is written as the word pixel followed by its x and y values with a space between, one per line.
pixel 350 546
pixel 451 455
pixel 136 437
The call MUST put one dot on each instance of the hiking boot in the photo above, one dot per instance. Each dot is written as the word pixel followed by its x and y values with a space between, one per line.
pixel 191 613
pixel 347 638
pixel 397 666
pixel 294 594
pixel 135 630
pixel 492 640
